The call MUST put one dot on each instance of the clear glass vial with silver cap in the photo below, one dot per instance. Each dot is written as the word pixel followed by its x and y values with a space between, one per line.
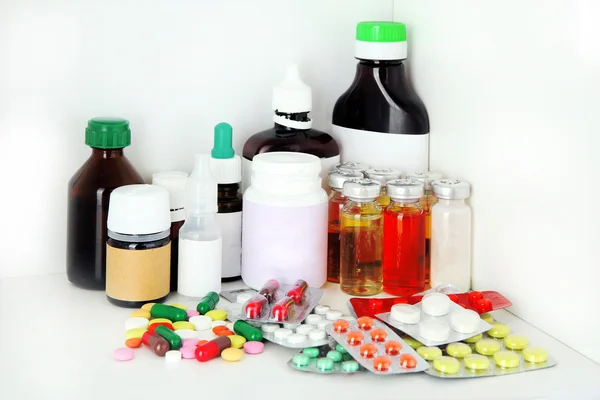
pixel 361 239
pixel 451 235
pixel 337 200
pixel 353 166
pixel 383 176
pixel 404 239
pixel 427 201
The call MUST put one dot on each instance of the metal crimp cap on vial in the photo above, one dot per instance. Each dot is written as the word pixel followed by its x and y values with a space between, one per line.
pixel 449 189
pixel 339 176
pixel 383 175
pixel 405 189
pixel 362 189
pixel 425 177
pixel 352 166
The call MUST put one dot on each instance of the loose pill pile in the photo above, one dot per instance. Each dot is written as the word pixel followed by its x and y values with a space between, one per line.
pixel 329 359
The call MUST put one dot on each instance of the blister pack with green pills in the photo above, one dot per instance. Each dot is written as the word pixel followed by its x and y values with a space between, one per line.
pixel 328 359
pixel 495 352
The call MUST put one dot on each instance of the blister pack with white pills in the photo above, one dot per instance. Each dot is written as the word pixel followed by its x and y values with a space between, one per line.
pixel 376 347
pixel 495 352
pixel 435 321
pixel 295 336
pixel 330 359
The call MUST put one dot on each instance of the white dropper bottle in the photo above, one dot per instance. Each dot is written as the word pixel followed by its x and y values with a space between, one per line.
pixel 200 240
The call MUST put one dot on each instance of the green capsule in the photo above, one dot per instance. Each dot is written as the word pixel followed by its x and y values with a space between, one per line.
pixel 312 352
pixel 246 330
pixel 208 302
pixel 335 356
pixel 174 340
pixel 349 366
pixel 169 312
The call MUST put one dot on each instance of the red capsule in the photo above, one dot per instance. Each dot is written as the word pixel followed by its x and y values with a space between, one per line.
pixel 269 290
pixel 255 306
pixel 298 291
pixel 212 349
pixel 282 310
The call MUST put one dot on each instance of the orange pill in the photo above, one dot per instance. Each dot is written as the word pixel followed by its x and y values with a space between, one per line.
pixel 378 335
pixel 225 332
pixel 368 350
pixel 341 326
pixel 408 361
pixel 365 323
pixel 382 363
pixel 201 342
pixel 393 348
pixel 219 328
pixel 355 338
pixel 133 343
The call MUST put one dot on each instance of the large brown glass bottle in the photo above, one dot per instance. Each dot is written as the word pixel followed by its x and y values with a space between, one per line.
pixel 89 192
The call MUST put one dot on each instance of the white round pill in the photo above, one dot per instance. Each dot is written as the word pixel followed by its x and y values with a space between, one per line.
pixel 406 313
pixel 435 304
pixel 323 323
pixel 464 321
pixel 218 323
pixel 333 315
pixel 434 331
pixel 304 329
pixel 282 333
pixel 269 328
pixel 173 356
pixel 186 334
pixel 201 322
pixel 230 326
pixel 291 326
pixel 243 297
pixel 296 338
pixel 349 318
pixel 321 310
pixel 317 334
pixel 312 319
pixel 136 322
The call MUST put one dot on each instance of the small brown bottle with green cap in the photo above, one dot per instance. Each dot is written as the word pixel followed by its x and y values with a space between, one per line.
pixel 89 192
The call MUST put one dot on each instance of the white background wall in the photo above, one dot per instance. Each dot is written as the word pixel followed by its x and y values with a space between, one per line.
pixel 513 92
pixel 173 68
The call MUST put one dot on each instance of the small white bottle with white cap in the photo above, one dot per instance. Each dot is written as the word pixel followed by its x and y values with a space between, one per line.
pixel 200 241
pixel 451 235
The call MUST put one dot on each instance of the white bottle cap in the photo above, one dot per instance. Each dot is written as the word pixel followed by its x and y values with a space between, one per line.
pixel 405 313
pixel 286 172
pixel 201 189
pixel 174 182
pixel 435 304
pixel 464 321
pixel 139 210
pixel 451 189
pixel 292 96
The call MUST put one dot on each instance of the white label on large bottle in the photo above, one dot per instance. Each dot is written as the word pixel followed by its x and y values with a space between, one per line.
pixel 231 231
pixel 383 150
pixel 199 269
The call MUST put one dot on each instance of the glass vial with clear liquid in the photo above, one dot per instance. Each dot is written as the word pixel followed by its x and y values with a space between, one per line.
pixel 404 239
pixel 427 201
pixel 361 239
pixel 451 235
pixel 383 176
pixel 337 200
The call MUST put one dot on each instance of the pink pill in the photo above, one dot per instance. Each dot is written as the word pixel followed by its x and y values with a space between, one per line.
pixel 123 354
pixel 188 352
pixel 192 313
pixel 190 342
pixel 254 347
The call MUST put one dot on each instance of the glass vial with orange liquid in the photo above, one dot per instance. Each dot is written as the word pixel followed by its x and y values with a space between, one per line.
pixel 361 239
pixel 383 176
pixel 427 201
pixel 404 239
pixel 337 200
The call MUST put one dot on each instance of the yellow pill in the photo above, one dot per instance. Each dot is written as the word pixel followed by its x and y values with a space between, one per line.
pixel 429 353
pixel 447 365
pixel 147 306
pixel 157 320
pixel 415 344
pixel 179 306
pixel 458 350
pixel 135 333
pixel 217 315
pixel 232 355
pixel 476 362
pixel 237 341
pixel 516 342
pixel 498 330
pixel 474 339
pixel 140 313
pixel 535 354
pixel 507 359
pixel 183 325
pixel 487 347
pixel 487 318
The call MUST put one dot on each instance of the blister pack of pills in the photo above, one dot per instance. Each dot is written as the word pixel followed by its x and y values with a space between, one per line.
pixel 376 347
pixel 329 359
pixel 495 352
pixel 435 321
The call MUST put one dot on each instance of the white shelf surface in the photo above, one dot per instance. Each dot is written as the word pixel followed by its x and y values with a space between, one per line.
pixel 56 342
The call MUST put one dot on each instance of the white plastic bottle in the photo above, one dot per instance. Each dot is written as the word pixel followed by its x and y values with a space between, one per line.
pixel 200 241
pixel 451 235
pixel 284 229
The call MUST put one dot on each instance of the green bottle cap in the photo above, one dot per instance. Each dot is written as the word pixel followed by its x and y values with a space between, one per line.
pixel 223 141
pixel 108 133
pixel 381 31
